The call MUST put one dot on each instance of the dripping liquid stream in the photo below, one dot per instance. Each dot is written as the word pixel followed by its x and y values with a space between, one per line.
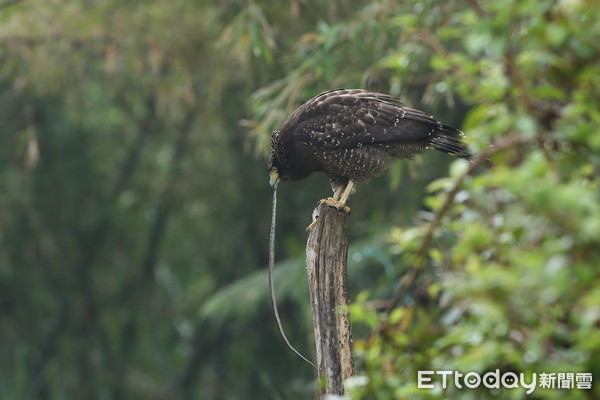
pixel 272 278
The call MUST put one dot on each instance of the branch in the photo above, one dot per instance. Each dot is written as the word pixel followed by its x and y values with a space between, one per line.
pixel 326 262
pixel 477 8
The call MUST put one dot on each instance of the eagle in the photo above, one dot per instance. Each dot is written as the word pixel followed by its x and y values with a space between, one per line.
pixel 353 135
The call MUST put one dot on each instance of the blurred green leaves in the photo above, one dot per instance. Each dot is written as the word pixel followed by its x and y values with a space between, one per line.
pixel 515 256
pixel 130 203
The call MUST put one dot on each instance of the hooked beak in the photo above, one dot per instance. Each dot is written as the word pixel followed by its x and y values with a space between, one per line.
pixel 274 179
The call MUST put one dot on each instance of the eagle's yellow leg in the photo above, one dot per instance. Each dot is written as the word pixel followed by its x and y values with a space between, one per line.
pixel 346 193
pixel 340 196
pixel 337 194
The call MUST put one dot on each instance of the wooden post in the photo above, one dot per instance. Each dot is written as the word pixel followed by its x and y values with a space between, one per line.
pixel 326 260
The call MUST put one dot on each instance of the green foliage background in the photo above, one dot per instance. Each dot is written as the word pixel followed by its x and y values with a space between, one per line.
pixel 134 204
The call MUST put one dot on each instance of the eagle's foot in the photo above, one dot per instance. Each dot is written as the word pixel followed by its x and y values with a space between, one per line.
pixel 335 204
pixel 338 205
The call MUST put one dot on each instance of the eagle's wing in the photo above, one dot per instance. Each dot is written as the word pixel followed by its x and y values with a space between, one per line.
pixel 354 118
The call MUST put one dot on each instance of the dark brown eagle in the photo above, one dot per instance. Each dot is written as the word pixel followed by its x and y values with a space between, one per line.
pixel 353 135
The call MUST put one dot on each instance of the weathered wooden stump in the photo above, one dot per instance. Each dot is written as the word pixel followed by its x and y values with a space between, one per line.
pixel 326 261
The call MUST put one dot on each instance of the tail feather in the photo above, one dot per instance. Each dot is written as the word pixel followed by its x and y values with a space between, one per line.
pixel 450 140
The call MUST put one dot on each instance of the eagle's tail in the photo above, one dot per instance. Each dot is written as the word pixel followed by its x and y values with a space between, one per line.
pixel 451 141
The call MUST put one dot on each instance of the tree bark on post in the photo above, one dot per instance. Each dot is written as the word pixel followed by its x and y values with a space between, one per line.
pixel 326 261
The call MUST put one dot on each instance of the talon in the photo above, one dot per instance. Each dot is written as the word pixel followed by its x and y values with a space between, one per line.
pixel 329 202
pixel 338 205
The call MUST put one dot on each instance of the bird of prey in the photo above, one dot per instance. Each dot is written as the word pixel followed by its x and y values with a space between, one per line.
pixel 353 135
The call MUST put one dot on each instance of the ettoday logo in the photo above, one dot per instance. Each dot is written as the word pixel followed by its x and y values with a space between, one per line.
pixel 508 380
pixel 491 380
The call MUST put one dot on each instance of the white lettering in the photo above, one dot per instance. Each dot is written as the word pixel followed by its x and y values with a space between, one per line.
pixel 529 386
pixel 444 374
pixel 423 381
pixel 510 381
pixel 456 382
pixel 494 382
pixel 472 380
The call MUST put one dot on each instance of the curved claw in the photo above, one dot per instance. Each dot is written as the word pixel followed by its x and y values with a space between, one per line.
pixel 335 204
pixel 330 202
